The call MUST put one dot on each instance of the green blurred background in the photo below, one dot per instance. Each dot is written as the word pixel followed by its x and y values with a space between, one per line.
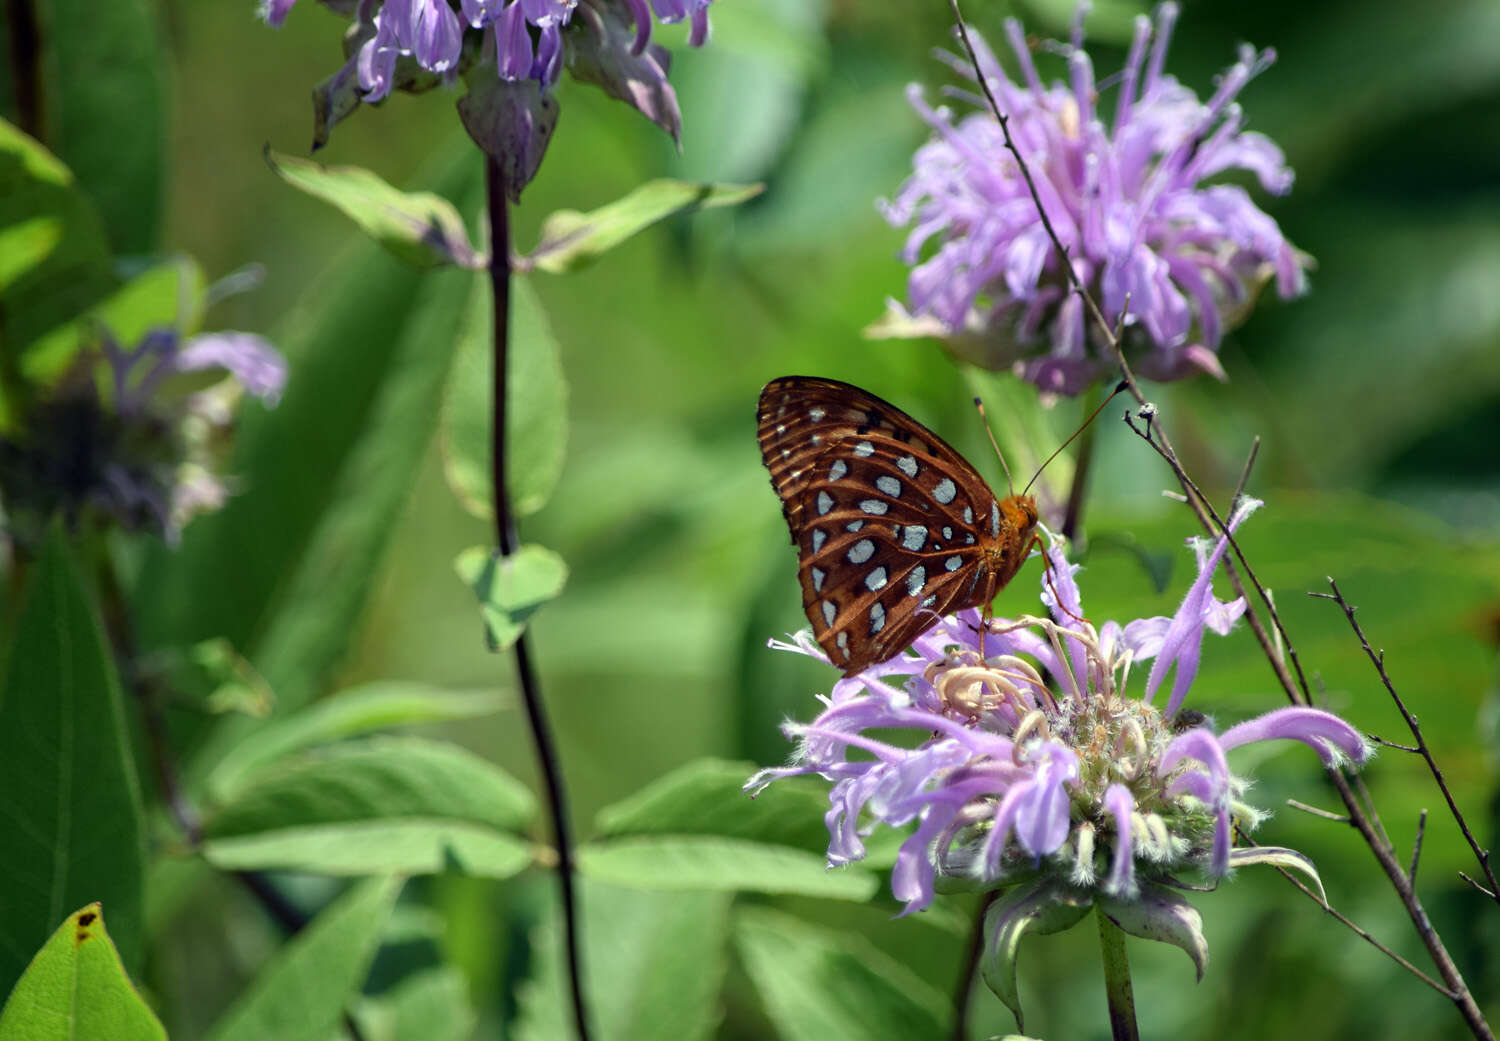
pixel 1377 399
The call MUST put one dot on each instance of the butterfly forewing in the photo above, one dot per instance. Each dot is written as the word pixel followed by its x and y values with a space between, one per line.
pixel 893 527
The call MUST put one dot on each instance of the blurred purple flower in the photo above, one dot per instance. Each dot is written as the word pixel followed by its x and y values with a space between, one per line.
pixel 1126 198
pixel 1032 765
pixel 524 39
pixel 136 434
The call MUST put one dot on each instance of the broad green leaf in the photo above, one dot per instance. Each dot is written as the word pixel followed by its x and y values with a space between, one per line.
pixel 537 405
pixel 322 476
pixel 421 228
pixel 379 779
pixel 820 985
pixel 1037 908
pixel 105 102
pixel 712 862
pixel 358 710
pixel 75 989
pixel 510 589
pixel 707 797
pixel 71 813
pixel 301 994
pixel 653 967
pixel 54 266
pixel 431 1005
pixel 406 847
pixel 571 240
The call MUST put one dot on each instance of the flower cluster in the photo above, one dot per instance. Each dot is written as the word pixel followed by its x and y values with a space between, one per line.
pixel 135 434
pixel 1181 259
pixel 1071 792
pixel 524 38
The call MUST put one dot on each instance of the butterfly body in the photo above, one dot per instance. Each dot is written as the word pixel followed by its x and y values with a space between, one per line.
pixel 893 528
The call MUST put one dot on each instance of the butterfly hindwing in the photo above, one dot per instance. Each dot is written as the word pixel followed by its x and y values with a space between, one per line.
pixel 893 527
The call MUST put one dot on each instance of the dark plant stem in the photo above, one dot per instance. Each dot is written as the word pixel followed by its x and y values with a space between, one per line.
pixel 25 65
pixel 1122 1025
pixel 505 533
pixel 965 988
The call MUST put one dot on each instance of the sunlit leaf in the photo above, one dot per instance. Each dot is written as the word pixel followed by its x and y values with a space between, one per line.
pixel 571 239
pixel 510 589
pixel 75 989
pixel 422 228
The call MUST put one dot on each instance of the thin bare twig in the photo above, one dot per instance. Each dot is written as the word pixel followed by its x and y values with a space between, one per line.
pixel 1393 744
pixel 1465 876
pixel 1297 689
pixel 1416 847
pixel 1377 658
pixel 1340 818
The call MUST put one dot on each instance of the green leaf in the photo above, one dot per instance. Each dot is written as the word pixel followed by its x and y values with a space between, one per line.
pixel 819 985
pixel 1161 915
pixel 54 266
pixel 301 994
pixel 358 710
pixel 75 989
pixel 388 804
pixel 373 780
pixel 421 228
pixel 707 797
pixel 653 967
pixel 406 847
pixel 430 1005
pixel 711 862
pixel 1037 908
pixel 323 475
pixel 536 405
pixel 105 102
pixel 72 811
pixel 510 589
pixel 571 240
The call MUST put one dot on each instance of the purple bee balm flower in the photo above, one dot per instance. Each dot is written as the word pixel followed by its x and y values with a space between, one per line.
pixel 525 38
pixel 1127 197
pixel 140 443
pixel 1032 765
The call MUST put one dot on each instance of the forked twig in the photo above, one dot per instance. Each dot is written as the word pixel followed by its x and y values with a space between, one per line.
pixel 1377 658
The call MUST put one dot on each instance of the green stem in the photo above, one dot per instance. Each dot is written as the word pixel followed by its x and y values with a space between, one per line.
pixel 1117 980
pixel 1073 519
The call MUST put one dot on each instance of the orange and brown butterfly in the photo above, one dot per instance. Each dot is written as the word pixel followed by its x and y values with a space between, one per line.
pixel 893 528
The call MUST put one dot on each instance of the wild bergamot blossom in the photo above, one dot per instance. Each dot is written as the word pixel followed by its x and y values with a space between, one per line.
pixel 135 434
pixel 526 36
pixel 1127 197
pixel 1067 793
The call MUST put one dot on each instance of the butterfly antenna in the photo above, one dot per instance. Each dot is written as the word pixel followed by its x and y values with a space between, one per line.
pixel 1082 427
pixel 985 420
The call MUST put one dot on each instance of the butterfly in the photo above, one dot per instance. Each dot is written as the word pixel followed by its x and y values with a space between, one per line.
pixel 893 528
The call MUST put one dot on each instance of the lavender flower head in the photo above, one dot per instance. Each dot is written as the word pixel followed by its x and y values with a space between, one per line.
pixel 135 435
pixel 1127 198
pixel 1064 795
pixel 523 39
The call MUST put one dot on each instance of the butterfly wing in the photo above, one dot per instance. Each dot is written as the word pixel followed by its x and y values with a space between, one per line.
pixel 893 527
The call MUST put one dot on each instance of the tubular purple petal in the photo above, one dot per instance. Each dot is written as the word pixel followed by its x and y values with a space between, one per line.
pixel 1323 732
pixel 1120 804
